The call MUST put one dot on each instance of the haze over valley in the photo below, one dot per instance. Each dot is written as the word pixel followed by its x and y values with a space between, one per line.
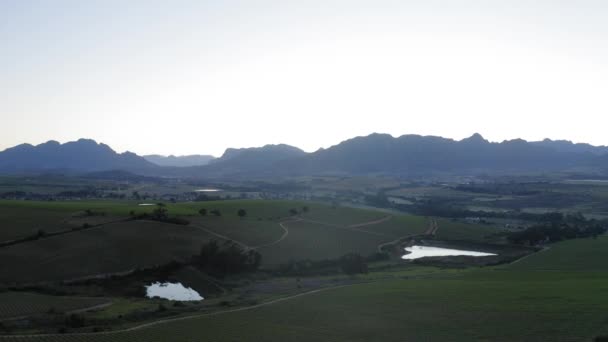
pixel 271 170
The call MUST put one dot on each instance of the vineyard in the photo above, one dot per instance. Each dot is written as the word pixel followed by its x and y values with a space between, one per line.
pixel 19 304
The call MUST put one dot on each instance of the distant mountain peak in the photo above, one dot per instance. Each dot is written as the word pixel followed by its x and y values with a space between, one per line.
pixel 180 161
pixel 83 155
pixel 475 138
pixel 51 143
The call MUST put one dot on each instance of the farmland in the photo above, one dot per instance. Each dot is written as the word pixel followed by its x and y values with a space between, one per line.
pixel 20 304
pixel 492 304
pixel 113 248
pixel 396 300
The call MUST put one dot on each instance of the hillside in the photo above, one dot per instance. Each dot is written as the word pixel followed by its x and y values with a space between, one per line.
pixel 179 161
pixel 83 155
pixel 410 155
pixel 404 156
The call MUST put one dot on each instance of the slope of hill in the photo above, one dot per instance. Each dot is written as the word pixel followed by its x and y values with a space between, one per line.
pixel 407 155
pixel 569 146
pixel 415 155
pixel 179 161
pixel 250 161
pixel 77 156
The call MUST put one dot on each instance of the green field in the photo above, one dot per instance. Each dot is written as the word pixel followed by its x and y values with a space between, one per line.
pixel 494 304
pixel 19 221
pixel 317 242
pixel 451 230
pixel 117 247
pixel 250 232
pixel 120 247
pixel 559 294
pixel 19 304
pixel 571 255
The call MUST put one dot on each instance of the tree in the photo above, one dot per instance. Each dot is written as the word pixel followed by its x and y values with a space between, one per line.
pixel 75 321
pixel 305 209
pixel 216 212
pixel 229 258
pixel 353 263
pixel 160 213
pixel 242 213
pixel 293 211
pixel 203 212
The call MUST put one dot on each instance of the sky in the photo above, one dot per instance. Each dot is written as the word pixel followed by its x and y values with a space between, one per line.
pixel 196 77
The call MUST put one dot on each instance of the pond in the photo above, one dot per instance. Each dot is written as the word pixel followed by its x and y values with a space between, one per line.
pixel 146 204
pixel 172 291
pixel 417 252
pixel 207 190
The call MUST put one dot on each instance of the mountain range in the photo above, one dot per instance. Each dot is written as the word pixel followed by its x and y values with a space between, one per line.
pixel 179 161
pixel 84 155
pixel 407 155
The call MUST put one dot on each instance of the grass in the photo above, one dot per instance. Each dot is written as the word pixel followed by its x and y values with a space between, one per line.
pixel 124 306
pixel 314 241
pixel 18 304
pixel 572 255
pixel 111 248
pixel 560 294
pixel 451 230
pixel 249 231
pixel 120 247
pixel 20 221
pixel 472 307
pixel 399 226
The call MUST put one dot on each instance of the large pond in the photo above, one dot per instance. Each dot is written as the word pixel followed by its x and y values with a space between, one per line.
pixel 417 252
pixel 172 291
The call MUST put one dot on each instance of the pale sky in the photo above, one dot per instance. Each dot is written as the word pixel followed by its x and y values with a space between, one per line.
pixel 196 77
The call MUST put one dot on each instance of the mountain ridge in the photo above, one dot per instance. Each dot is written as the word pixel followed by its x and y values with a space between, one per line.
pixel 377 153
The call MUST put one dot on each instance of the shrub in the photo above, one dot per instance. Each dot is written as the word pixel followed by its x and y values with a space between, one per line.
pixel 353 264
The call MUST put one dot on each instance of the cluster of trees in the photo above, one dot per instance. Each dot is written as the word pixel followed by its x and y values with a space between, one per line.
pixel 64 195
pixel 214 212
pixel 558 227
pixel 446 208
pixel 205 197
pixel 353 263
pixel 203 212
pixel 160 214
pixel 226 259
pixel 295 211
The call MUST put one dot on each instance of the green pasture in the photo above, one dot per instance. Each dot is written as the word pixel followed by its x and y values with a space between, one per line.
pixel 19 304
pixel 111 248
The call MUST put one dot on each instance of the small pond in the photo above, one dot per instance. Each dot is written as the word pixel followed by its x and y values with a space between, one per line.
pixel 172 291
pixel 146 204
pixel 207 190
pixel 417 252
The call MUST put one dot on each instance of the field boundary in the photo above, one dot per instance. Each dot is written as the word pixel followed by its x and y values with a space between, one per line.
pixel 544 249
pixel 179 319
pixel 57 233
pixel 336 226
pixel 285 234
pixel 75 311
pixel 431 230
pixel 223 237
